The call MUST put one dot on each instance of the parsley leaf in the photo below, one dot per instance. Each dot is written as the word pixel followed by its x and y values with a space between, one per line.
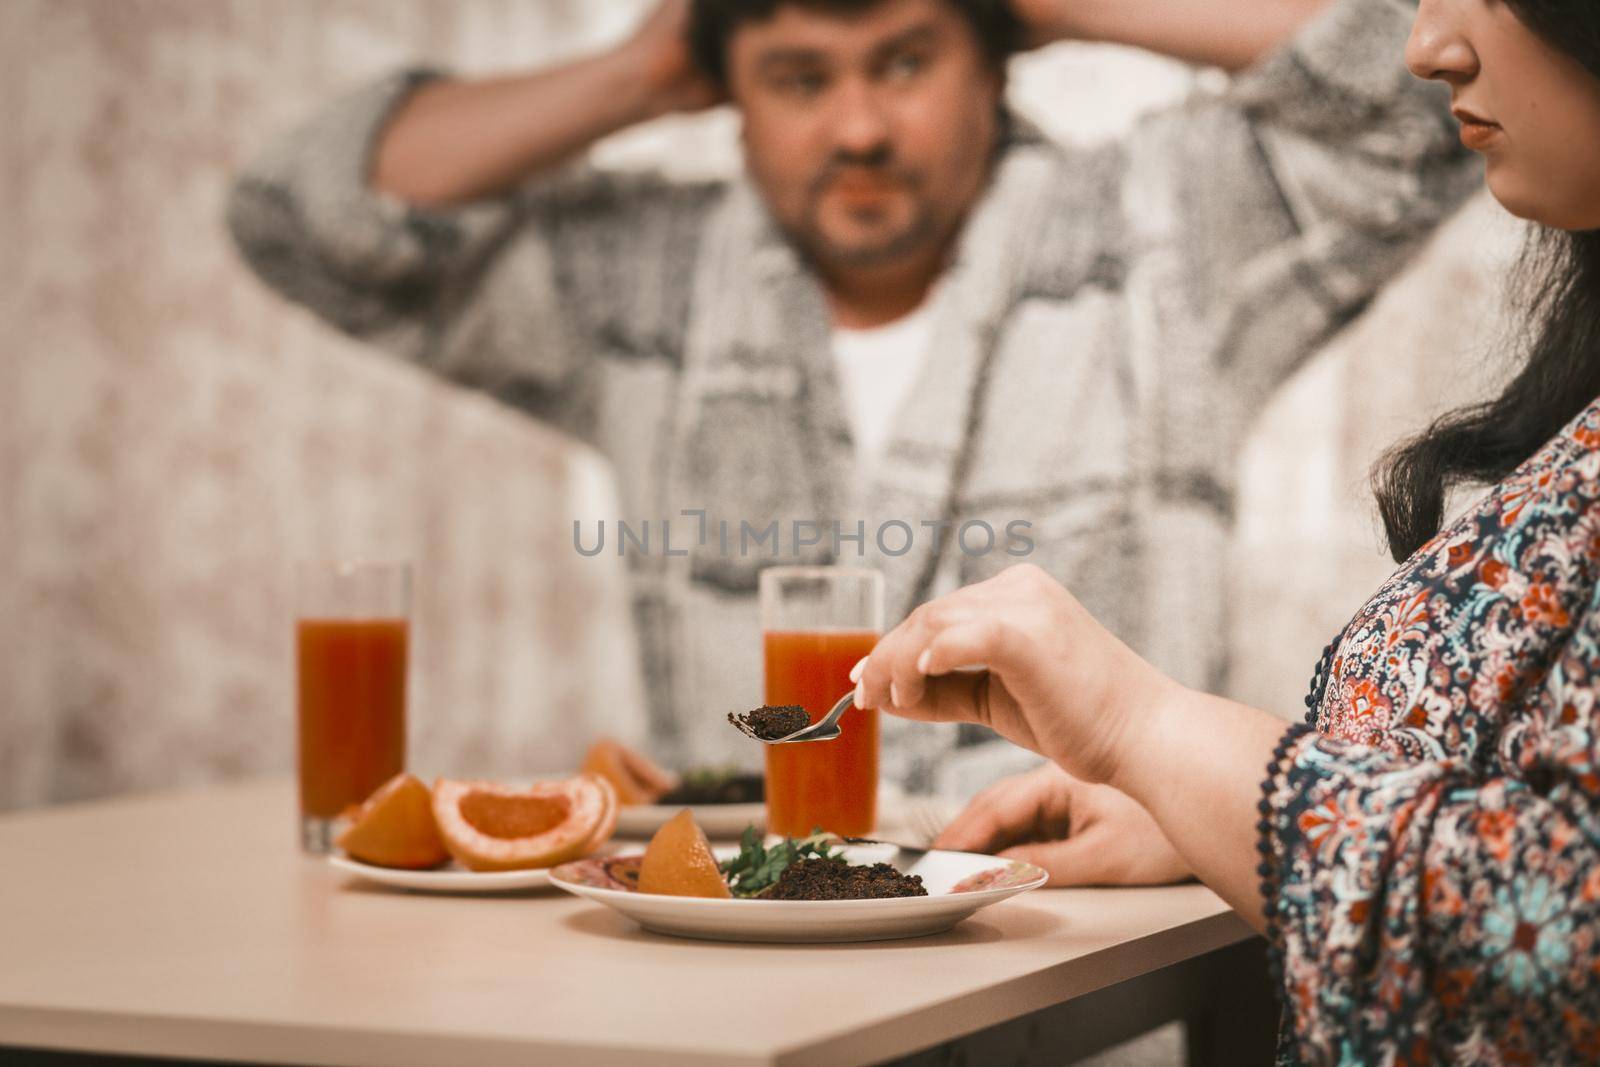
pixel 757 867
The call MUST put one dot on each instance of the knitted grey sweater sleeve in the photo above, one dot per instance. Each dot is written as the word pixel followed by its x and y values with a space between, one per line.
pixel 1288 200
pixel 505 294
pixel 1245 226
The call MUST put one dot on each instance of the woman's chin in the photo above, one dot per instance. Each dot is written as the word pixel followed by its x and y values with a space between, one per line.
pixel 1541 202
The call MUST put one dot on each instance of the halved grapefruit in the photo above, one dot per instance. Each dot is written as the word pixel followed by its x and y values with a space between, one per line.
pixel 395 827
pixel 678 862
pixel 492 827
pixel 638 780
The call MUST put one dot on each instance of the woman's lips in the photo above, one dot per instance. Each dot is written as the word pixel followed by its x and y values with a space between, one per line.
pixel 1477 133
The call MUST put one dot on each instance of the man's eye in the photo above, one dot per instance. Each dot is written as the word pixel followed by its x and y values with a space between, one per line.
pixel 803 86
pixel 906 65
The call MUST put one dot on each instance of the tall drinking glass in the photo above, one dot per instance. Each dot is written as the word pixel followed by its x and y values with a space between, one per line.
pixel 816 623
pixel 352 629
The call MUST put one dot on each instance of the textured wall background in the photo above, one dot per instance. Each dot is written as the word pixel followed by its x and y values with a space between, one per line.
pixel 172 438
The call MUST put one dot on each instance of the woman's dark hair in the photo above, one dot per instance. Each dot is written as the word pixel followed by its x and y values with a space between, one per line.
pixel 1558 284
pixel 712 22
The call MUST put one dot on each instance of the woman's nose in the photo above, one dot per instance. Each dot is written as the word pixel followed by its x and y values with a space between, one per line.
pixel 1439 48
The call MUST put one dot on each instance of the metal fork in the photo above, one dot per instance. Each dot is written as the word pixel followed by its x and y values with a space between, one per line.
pixel 824 729
pixel 827 727
pixel 924 821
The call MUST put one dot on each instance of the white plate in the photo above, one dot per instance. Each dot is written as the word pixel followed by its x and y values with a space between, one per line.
pixel 943 873
pixel 450 879
pixel 719 821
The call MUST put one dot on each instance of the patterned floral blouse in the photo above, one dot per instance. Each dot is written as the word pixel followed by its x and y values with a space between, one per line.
pixel 1431 849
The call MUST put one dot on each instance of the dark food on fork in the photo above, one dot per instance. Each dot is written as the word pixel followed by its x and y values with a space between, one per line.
pixel 768 723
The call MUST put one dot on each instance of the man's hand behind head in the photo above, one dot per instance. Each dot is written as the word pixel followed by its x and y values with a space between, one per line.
pixel 1045 21
pixel 660 46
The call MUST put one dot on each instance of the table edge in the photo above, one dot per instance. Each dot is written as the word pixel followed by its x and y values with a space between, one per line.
pixel 144 1034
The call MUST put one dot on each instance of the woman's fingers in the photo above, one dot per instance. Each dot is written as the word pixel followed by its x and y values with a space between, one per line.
pixel 910 670
pixel 1072 861
pixel 1025 807
pixel 966 695
pixel 906 680
pixel 953 698
pixel 976 829
pixel 893 661
pixel 986 623
pixel 890 678
pixel 1030 818
pixel 964 642
pixel 990 821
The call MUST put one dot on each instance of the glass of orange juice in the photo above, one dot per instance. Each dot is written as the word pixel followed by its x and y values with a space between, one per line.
pixel 816 623
pixel 352 631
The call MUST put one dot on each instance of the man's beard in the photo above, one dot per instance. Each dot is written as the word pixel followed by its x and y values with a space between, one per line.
pixel 889 248
pixel 914 234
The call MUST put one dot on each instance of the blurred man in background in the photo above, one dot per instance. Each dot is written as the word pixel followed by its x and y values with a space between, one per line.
pixel 910 321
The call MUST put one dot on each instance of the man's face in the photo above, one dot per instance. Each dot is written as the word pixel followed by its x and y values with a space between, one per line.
pixel 869 133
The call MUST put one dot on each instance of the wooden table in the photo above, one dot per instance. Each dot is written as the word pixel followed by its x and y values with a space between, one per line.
pixel 188 925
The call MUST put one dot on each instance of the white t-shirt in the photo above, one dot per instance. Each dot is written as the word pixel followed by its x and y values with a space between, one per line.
pixel 876 369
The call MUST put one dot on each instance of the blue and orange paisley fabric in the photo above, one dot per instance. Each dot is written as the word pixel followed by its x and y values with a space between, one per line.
pixel 1431 838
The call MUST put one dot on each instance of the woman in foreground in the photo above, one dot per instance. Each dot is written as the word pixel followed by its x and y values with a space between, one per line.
pixel 1424 854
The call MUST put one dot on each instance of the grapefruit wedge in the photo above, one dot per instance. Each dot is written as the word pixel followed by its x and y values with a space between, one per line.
pixel 678 862
pixel 395 827
pixel 488 826
pixel 637 779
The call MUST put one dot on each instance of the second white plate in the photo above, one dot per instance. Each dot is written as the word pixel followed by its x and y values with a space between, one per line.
pixel 451 879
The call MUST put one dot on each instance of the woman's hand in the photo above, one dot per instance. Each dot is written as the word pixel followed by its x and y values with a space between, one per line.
pixel 1081 834
pixel 1057 682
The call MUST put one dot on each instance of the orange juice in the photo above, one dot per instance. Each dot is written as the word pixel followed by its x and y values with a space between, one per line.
pixel 352 717
pixel 828 784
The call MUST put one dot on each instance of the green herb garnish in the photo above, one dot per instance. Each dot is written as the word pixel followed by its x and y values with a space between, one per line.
pixel 756 867
pixel 706 779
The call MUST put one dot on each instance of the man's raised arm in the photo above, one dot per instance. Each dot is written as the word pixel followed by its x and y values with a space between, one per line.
pixel 453 142
pixel 1231 35
pixel 1284 202
pixel 431 217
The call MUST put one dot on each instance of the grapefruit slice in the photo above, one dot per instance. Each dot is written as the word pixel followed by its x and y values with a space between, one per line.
pixel 637 778
pixel 608 818
pixel 678 862
pixel 492 827
pixel 395 827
